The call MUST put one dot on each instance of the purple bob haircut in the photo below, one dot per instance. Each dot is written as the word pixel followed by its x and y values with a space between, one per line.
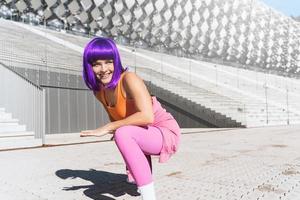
pixel 101 48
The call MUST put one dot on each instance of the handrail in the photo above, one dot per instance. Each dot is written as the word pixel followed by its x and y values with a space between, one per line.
pixel 43 66
pixel 21 76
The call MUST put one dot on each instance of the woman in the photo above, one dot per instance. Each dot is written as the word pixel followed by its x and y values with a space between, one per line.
pixel 141 127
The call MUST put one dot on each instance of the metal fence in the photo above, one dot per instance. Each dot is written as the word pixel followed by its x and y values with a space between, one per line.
pixel 25 100
pixel 254 95
pixel 71 110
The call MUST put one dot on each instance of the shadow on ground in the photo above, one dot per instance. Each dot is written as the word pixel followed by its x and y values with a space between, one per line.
pixel 103 183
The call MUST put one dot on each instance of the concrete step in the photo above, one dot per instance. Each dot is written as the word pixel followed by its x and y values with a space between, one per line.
pixel 252 109
pixel 214 99
pixel 16 134
pixel 272 121
pixel 273 115
pixel 8 120
pixel 220 105
pixel 14 127
pixel 9 124
pixel 204 97
pixel 294 121
pixel 276 121
pixel 232 109
pixel 256 124
pixel 237 115
pixel 5 116
pixel 274 118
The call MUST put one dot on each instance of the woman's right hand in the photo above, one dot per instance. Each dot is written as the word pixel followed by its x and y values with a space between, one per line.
pixel 95 133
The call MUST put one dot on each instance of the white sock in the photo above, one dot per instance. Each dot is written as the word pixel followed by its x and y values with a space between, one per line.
pixel 147 191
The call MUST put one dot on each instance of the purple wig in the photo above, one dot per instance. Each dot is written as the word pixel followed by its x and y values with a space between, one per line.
pixel 101 49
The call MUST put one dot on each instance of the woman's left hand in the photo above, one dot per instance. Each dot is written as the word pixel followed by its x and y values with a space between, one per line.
pixel 97 132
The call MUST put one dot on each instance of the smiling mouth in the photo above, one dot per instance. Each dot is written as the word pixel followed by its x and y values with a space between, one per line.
pixel 103 76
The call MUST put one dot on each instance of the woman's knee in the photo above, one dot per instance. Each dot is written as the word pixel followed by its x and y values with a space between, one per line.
pixel 122 133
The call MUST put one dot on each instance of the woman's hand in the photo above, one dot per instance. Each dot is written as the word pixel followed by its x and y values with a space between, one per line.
pixel 97 132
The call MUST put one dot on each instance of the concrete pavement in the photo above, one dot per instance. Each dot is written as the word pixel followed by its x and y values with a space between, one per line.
pixel 228 164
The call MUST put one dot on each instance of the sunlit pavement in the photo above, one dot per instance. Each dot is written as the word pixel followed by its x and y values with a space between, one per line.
pixel 227 164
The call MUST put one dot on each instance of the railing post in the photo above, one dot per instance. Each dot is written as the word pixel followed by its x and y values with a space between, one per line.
pixel 190 72
pixel 245 115
pixel 266 94
pixel 287 106
pixel 237 77
pixel 161 66
pixel 43 117
pixel 134 50
pixel 216 72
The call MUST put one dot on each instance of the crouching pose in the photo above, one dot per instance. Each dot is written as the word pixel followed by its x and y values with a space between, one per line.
pixel 141 127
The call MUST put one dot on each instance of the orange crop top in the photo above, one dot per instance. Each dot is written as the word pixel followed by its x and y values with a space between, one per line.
pixel 123 107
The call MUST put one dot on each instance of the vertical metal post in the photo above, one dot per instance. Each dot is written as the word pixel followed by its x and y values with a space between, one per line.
pixel 86 109
pixel 216 70
pixel 134 59
pixel 287 106
pixel 245 115
pixel 256 83
pixel 35 109
pixel 43 117
pixel 190 72
pixel 69 107
pixel 237 78
pixel 266 94
pixel 59 103
pixel 161 66
pixel 96 125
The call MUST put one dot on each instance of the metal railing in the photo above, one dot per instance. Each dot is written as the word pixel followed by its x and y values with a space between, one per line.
pixel 24 99
pixel 254 96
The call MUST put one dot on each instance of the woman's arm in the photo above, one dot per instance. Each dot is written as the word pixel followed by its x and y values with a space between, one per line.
pixel 135 89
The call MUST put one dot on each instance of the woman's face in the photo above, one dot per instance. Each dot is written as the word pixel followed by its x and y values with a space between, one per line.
pixel 103 70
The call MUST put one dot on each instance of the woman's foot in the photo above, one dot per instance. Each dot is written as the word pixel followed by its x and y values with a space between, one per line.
pixel 147 191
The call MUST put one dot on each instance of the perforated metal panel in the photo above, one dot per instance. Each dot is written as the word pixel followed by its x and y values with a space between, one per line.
pixel 242 31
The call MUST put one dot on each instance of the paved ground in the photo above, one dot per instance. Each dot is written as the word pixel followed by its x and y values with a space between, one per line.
pixel 253 164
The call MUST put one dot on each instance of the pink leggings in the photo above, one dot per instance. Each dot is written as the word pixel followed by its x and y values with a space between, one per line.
pixel 136 144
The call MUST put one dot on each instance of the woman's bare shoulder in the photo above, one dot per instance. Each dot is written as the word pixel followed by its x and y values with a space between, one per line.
pixel 130 75
pixel 131 78
pixel 133 83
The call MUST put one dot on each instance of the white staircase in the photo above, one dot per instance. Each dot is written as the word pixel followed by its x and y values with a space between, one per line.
pixel 8 124
pixel 249 112
pixel 13 135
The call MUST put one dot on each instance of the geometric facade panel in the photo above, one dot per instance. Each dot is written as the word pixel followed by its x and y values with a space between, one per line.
pixel 244 31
